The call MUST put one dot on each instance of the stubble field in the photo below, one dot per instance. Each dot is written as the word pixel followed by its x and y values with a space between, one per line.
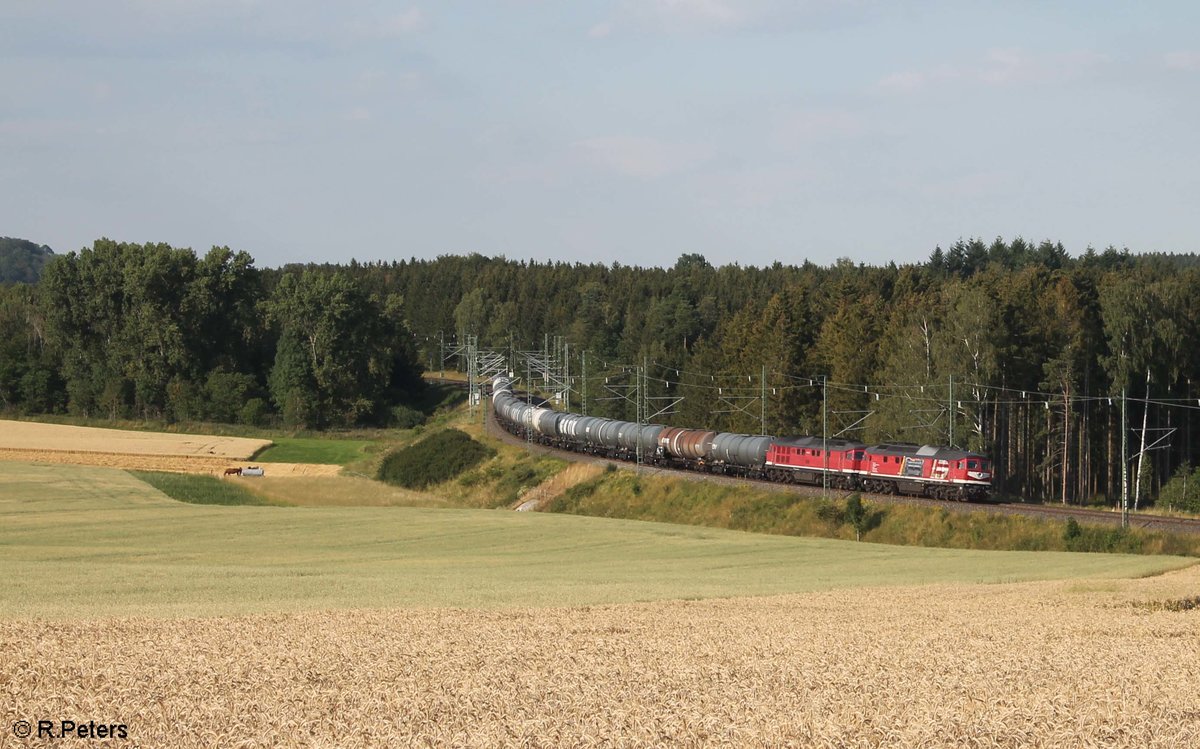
pixel 60 444
pixel 34 436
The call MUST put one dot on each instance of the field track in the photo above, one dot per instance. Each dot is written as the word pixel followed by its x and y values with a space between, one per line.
pixel 32 442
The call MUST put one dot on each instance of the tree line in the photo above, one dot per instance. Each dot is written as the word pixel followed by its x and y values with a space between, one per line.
pixel 1015 349
pixel 21 261
pixel 150 331
pixel 1012 348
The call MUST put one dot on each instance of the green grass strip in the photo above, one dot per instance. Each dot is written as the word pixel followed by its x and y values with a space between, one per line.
pixel 199 490
pixel 313 450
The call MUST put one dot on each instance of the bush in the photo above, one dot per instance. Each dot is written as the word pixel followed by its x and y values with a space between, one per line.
pixel 1182 492
pixel 517 478
pixel 437 458
pixel 831 512
pixel 1106 540
pixel 856 515
pixel 404 417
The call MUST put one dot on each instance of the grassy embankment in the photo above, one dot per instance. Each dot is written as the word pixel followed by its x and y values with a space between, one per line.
pixel 676 500
pixel 511 474
pixel 84 542
pixel 454 465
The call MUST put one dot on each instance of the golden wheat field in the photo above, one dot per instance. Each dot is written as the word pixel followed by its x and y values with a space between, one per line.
pixel 32 436
pixel 58 444
pixel 1016 665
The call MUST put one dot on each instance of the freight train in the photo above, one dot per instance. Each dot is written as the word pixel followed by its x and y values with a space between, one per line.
pixel 893 468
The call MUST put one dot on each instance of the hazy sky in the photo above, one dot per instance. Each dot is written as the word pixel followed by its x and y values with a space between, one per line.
pixel 600 130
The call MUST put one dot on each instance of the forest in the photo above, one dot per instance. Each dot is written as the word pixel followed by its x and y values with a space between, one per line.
pixel 21 260
pixel 1012 348
pixel 123 331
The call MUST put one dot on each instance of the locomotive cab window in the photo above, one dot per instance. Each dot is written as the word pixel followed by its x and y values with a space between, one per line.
pixel 973 464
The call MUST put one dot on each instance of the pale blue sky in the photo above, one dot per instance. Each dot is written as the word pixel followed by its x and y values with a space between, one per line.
pixel 601 130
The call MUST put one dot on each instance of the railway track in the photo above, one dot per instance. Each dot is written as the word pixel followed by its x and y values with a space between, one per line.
pixel 1053 512
pixel 1145 520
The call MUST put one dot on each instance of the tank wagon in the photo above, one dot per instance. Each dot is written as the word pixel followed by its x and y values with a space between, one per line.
pixel 894 468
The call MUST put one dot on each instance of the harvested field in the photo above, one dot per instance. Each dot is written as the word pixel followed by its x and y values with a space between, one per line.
pixel 32 436
pixel 56 444
pixel 167 463
pixel 1019 665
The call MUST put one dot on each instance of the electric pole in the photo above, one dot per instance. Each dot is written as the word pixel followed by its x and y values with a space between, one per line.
pixel 1124 467
pixel 825 434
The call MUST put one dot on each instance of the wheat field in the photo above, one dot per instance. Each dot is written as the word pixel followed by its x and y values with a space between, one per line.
pixel 1049 664
pixel 32 436
pixel 59 444
pixel 381 627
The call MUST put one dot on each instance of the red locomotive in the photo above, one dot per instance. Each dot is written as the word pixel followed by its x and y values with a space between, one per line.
pixel 939 472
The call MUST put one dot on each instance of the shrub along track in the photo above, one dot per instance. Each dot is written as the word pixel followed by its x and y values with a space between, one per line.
pixel 1052 512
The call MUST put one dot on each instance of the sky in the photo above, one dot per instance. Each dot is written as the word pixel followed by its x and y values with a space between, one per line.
pixel 612 131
